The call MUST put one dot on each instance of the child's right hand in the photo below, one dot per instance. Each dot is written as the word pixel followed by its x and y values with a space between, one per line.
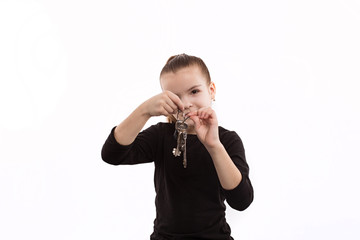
pixel 165 103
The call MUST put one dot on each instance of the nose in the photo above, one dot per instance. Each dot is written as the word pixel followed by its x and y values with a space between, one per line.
pixel 187 105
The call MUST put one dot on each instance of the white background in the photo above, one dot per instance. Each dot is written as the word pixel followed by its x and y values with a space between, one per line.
pixel 287 76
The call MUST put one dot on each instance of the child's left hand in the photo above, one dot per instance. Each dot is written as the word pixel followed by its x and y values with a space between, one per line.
pixel 206 126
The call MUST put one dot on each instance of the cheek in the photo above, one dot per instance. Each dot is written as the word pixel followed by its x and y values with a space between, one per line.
pixel 200 101
pixel 205 101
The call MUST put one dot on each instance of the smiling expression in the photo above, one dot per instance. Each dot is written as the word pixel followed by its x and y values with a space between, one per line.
pixel 191 86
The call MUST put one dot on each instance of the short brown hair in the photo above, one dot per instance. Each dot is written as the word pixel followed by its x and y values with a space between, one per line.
pixel 177 62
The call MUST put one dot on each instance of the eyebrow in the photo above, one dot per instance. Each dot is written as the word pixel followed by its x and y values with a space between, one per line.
pixel 196 86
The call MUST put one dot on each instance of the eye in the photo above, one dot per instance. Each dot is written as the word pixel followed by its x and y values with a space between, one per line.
pixel 195 91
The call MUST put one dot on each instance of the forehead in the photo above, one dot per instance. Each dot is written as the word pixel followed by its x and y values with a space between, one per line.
pixel 182 79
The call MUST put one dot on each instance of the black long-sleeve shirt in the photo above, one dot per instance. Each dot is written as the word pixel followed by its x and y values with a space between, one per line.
pixel 189 201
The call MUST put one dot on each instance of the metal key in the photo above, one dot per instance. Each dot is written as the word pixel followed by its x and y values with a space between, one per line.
pixel 176 151
pixel 181 128
pixel 184 149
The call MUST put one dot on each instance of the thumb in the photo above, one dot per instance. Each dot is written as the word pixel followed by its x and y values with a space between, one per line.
pixel 196 120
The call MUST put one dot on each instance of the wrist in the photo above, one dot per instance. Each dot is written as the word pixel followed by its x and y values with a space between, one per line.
pixel 143 110
pixel 214 147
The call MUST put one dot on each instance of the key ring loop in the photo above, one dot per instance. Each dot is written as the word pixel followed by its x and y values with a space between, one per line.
pixel 184 118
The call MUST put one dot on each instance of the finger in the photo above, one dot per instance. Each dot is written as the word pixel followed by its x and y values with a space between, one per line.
pixel 161 111
pixel 169 109
pixel 196 120
pixel 201 113
pixel 175 99
pixel 171 104
pixel 206 113
pixel 193 113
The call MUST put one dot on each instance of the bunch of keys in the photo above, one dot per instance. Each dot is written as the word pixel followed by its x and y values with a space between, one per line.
pixel 181 132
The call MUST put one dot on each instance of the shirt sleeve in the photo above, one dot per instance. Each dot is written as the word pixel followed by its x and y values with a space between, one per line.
pixel 241 196
pixel 142 150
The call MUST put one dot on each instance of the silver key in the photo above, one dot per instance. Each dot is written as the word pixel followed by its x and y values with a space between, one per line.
pixel 181 130
pixel 176 151
pixel 184 149
pixel 181 126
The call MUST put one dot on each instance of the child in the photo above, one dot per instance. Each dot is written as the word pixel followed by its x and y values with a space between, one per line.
pixel 189 201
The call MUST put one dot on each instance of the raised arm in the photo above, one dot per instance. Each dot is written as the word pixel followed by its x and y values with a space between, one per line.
pixel 232 170
pixel 165 103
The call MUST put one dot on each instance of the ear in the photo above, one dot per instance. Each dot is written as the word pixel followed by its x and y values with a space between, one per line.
pixel 212 90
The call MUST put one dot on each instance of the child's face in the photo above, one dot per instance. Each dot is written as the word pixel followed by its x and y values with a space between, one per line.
pixel 191 86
